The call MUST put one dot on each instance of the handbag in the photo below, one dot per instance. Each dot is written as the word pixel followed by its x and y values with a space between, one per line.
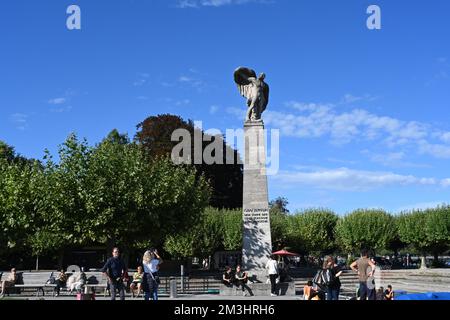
pixel 155 278
pixel 51 280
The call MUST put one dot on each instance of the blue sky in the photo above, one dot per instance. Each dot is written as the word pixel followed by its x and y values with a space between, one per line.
pixel 363 114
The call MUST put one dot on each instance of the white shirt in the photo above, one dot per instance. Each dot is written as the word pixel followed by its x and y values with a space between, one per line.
pixel 272 266
pixel 152 266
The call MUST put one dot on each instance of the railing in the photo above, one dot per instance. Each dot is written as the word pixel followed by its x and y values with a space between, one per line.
pixel 203 285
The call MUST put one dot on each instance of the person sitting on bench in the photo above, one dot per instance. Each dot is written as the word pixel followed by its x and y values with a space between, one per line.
pixel 60 282
pixel 10 281
pixel 137 281
pixel 227 278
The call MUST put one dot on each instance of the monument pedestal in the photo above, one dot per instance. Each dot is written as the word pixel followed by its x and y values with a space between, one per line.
pixel 259 289
pixel 257 242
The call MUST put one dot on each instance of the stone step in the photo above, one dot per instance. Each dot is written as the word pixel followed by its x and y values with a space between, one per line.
pixel 259 289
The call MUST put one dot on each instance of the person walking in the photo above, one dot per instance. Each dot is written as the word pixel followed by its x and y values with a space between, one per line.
pixel 272 269
pixel 116 272
pixel 151 262
pixel 361 266
pixel 334 285
pixel 371 285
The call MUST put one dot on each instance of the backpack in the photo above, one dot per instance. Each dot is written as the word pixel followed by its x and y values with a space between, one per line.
pixel 318 279
pixel 328 277
pixel 51 280
pixel 324 278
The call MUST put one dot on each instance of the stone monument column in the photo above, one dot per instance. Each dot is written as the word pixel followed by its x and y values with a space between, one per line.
pixel 257 242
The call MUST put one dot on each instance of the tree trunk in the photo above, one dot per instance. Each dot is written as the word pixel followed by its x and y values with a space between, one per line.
pixel 423 264
pixel 126 256
pixel 61 259
pixel 436 259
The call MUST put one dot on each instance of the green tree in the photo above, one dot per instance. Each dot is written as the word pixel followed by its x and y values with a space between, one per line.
pixel 412 231
pixel 315 229
pixel 278 229
pixel 7 152
pixel 373 229
pixel 211 232
pixel 233 227
pixel 202 240
pixel 157 197
pixel 61 196
pixel 226 180
pixel 17 206
pixel 279 205
pixel 181 245
pixel 438 230
pixel 295 239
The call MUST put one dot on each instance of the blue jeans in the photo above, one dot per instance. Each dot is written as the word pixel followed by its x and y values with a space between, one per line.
pixel 333 293
pixel 153 295
pixel 363 290
pixel 372 294
pixel 150 288
pixel 113 286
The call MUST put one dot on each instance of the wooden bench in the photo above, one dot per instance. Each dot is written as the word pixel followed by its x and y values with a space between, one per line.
pixel 95 280
pixel 36 281
pixel 98 280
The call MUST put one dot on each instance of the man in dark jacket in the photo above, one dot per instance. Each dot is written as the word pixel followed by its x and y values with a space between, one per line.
pixel 115 270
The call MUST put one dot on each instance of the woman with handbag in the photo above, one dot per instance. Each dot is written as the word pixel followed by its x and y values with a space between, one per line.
pixel 150 263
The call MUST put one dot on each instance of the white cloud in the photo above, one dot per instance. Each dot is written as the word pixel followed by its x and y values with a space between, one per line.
pixel 421 206
pixel 445 137
pixel 57 101
pixel 214 3
pixel 435 150
pixel 142 79
pixel 61 109
pixel 167 84
pixel 319 120
pixel 392 159
pixel 389 158
pixel 191 81
pixel 182 102
pixel 139 83
pixel 445 183
pixel 344 179
pixel 20 120
pixel 349 98
pixel 64 98
pixel 185 79
pixel 238 112
pixel 213 109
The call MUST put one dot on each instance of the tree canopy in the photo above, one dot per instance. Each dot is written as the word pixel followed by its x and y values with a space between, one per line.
pixel 154 134
pixel 108 194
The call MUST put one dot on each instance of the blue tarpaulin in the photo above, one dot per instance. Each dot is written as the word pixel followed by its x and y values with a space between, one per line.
pixel 425 296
